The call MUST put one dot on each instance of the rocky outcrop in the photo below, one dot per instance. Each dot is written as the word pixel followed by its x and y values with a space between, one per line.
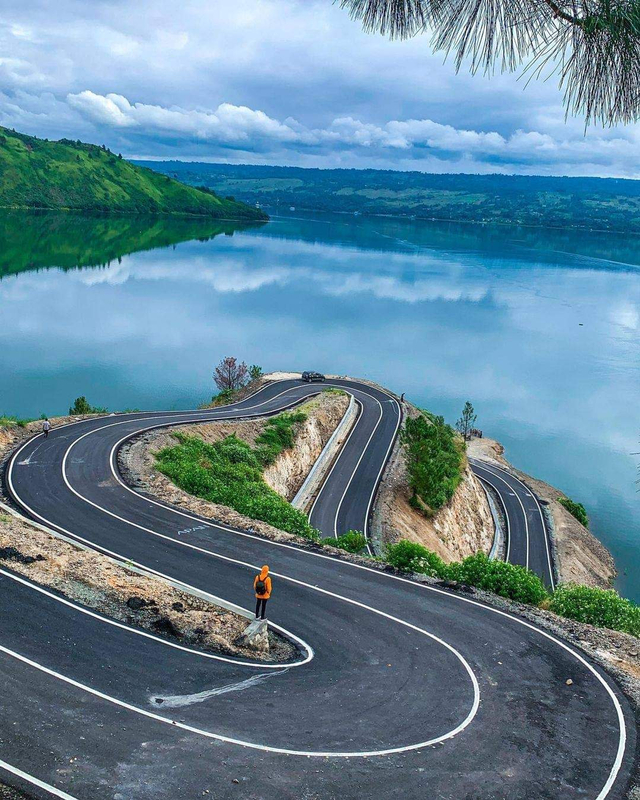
pixel 580 557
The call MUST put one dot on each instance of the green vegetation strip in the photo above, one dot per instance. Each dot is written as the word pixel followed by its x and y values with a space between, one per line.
pixel 229 473
pixel 435 458
pixel 10 422
pixel 601 607
pixel 351 541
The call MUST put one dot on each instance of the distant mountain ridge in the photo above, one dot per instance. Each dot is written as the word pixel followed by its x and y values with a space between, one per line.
pixel 38 173
pixel 555 202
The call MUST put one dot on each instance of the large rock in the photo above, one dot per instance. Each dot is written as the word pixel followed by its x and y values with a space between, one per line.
pixel 255 636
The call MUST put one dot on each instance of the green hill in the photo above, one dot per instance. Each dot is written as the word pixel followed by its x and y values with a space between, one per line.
pixel 37 173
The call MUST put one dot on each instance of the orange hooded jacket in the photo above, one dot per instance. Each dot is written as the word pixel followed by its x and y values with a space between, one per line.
pixel 263 576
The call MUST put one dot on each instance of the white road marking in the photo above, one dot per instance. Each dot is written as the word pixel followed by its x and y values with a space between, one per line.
pixel 355 469
pixel 544 527
pixel 524 513
pixel 382 467
pixel 268 748
pixel 159 640
pixel 36 781
pixel 506 514
pixel 535 497
pixel 333 466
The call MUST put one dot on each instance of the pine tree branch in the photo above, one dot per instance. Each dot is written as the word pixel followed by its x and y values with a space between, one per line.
pixel 558 12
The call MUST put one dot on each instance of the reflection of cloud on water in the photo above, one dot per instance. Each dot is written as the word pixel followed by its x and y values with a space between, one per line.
pixel 514 331
pixel 221 274
pixel 224 274
pixel 626 315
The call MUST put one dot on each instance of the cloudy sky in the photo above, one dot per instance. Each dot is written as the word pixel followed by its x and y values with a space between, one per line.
pixel 279 82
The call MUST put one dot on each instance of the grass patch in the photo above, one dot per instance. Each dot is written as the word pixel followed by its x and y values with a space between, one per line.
pixel 576 509
pixel 229 472
pixel 278 435
pixel 223 398
pixel 351 541
pixel 602 607
pixel 435 456
pixel 413 557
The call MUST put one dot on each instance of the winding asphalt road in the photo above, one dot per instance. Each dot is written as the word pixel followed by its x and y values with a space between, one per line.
pixel 400 690
pixel 527 536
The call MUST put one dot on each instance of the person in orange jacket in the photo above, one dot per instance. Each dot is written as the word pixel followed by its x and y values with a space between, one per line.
pixel 262 588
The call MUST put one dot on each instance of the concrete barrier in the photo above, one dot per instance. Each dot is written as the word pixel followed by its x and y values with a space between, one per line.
pixel 325 460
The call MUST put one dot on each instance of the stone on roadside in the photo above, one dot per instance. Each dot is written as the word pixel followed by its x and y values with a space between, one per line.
pixel 255 636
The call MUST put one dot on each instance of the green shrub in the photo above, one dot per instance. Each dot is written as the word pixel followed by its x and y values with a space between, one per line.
pixel 82 406
pixel 500 577
pixel 602 607
pixel 223 398
pixel 434 461
pixel 229 472
pixel 413 557
pixel 351 541
pixel 577 509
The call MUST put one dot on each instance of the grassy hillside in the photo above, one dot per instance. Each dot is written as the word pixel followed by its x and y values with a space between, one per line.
pixel 37 173
pixel 552 202
pixel 33 240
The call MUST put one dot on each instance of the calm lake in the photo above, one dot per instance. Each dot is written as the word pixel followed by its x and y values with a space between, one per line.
pixel 539 329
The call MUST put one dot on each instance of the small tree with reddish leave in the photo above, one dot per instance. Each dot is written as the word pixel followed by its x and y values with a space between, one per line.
pixel 229 375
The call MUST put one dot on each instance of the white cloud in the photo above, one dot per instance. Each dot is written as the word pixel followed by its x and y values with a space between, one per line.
pixel 249 129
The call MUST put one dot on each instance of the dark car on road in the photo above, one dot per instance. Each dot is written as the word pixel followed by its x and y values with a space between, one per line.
pixel 312 377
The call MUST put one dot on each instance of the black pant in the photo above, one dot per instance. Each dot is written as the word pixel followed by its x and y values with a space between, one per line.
pixel 46 434
pixel 259 603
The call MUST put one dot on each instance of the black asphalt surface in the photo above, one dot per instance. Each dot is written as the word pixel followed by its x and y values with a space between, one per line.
pixel 406 690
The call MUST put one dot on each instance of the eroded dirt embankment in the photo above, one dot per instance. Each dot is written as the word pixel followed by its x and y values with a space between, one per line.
pixel 102 584
pixel 285 475
pixel 460 528
pixel 580 556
